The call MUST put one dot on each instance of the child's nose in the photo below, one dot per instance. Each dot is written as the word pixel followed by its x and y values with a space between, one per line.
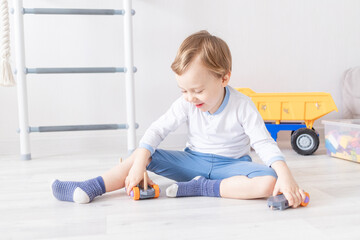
pixel 191 98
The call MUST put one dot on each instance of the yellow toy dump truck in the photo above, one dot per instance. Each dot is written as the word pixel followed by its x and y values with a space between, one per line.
pixel 294 112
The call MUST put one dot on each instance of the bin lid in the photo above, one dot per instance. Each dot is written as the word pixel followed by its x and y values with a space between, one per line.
pixel 352 123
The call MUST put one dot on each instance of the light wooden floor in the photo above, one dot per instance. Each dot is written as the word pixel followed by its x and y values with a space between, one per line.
pixel 28 210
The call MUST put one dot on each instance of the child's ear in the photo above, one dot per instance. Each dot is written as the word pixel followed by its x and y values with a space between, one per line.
pixel 225 79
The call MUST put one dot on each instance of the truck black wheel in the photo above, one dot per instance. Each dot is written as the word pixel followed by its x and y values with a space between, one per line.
pixel 292 132
pixel 305 141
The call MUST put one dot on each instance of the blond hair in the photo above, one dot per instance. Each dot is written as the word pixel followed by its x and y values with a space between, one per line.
pixel 213 51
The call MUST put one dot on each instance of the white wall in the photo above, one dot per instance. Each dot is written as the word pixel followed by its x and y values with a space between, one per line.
pixel 277 46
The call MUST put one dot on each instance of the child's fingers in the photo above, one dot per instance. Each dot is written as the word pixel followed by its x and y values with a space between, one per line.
pixel 276 190
pixel 297 200
pixel 129 188
pixel 289 197
pixel 150 182
pixel 303 195
pixel 127 182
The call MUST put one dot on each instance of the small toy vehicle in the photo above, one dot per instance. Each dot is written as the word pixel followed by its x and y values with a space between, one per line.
pixel 145 192
pixel 279 202
pixel 148 191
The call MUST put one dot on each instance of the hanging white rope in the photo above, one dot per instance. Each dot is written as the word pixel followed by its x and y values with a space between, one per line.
pixel 6 77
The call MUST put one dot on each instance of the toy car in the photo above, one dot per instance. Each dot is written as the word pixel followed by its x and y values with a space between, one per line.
pixel 279 202
pixel 146 192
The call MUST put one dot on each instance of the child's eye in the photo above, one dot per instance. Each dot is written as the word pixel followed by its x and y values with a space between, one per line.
pixel 199 91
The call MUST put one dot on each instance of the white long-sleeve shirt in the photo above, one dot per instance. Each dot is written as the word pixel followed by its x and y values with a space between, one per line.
pixel 229 132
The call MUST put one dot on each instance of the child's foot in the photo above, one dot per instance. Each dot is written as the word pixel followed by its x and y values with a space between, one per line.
pixel 79 192
pixel 199 186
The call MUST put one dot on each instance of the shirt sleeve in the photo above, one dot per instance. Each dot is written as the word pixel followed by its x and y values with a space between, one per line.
pixel 169 122
pixel 260 140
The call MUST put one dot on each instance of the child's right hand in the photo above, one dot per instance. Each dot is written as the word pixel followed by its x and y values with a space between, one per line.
pixel 136 173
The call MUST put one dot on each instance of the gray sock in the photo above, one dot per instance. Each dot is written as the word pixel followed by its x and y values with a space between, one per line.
pixel 79 192
pixel 199 186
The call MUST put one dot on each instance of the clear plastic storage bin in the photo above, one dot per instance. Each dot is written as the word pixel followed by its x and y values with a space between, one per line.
pixel 342 138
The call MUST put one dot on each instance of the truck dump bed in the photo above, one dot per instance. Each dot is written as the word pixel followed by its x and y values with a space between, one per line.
pixel 303 107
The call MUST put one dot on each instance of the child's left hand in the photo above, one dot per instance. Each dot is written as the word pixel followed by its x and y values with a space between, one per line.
pixel 288 186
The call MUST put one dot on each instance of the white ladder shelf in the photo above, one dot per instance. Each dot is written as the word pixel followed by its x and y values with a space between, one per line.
pixel 22 71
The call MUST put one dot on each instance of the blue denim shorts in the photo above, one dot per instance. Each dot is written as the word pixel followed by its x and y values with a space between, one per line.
pixel 185 165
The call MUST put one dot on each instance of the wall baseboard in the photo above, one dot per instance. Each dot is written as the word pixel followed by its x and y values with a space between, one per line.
pixel 100 142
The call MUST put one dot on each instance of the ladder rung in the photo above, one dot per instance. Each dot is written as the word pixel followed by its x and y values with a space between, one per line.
pixel 79 127
pixel 73 11
pixel 75 70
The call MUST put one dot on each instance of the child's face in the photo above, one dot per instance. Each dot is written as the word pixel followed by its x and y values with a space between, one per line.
pixel 202 88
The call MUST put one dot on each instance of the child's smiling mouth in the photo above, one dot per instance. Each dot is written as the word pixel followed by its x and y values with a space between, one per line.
pixel 199 105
